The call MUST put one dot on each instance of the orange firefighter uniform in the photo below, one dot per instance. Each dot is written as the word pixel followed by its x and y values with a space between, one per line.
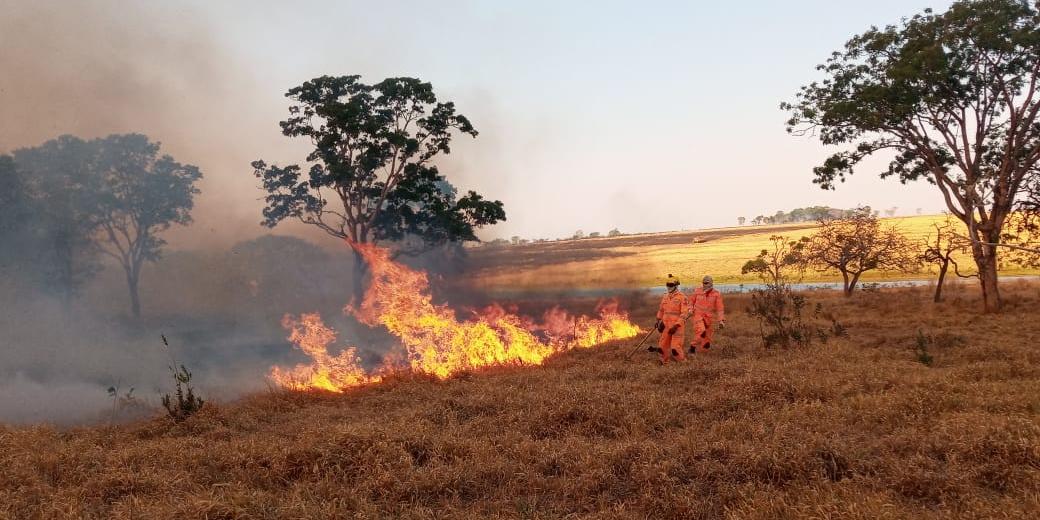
pixel 706 308
pixel 672 312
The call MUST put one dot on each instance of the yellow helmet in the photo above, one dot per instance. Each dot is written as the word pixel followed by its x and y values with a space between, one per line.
pixel 671 281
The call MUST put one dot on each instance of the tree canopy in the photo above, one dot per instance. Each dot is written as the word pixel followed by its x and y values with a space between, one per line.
pixel 371 175
pixel 142 194
pixel 854 245
pixel 952 97
pixel 110 196
pixel 62 191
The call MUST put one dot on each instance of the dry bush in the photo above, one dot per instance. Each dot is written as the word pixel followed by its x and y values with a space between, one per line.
pixel 856 428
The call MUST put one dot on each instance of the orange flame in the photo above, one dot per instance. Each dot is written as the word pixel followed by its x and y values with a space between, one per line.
pixel 435 340
pixel 326 372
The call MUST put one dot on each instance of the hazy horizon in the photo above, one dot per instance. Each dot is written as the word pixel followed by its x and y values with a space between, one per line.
pixel 645 119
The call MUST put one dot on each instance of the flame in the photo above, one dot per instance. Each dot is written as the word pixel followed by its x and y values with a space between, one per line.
pixel 435 340
pixel 326 372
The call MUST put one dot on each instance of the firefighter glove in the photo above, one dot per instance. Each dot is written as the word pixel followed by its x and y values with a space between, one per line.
pixel 659 326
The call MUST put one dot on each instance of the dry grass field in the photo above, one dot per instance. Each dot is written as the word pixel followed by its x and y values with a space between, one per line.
pixel 637 261
pixel 858 427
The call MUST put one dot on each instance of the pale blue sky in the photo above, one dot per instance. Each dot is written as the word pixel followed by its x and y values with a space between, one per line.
pixel 645 116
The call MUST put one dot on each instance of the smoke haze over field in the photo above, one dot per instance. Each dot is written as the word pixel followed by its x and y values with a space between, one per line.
pixel 96 68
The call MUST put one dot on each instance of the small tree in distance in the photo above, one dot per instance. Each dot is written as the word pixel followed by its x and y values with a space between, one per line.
pixel 143 194
pixel 773 265
pixel 856 244
pixel 940 249
pixel 63 191
pixel 780 311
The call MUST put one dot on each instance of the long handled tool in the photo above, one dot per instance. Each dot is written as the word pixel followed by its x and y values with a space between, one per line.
pixel 640 345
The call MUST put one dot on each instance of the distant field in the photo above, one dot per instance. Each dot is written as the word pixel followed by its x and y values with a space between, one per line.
pixel 636 261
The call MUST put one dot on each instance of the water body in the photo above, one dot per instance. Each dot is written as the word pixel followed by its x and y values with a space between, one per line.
pixel 603 292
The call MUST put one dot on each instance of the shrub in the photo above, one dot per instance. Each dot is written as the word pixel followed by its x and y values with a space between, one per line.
pixel 779 314
pixel 777 308
pixel 187 403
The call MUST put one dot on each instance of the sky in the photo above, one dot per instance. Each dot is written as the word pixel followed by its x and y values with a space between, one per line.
pixel 592 115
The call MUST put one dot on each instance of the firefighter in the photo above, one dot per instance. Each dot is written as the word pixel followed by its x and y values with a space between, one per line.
pixel 670 317
pixel 706 308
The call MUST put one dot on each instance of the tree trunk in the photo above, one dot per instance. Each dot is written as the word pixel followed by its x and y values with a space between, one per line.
pixel 990 291
pixel 845 288
pixel 852 284
pixel 942 276
pixel 135 300
pixel 359 271
pixel 986 261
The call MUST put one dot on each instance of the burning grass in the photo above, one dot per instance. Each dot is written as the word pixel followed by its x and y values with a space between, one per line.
pixel 854 428
pixel 436 341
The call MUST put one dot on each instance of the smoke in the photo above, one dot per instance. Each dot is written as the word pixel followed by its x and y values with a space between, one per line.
pixel 96 68
pixel 220 311
pixel 101 67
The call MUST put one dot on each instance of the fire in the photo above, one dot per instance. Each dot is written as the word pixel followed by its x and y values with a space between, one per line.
pixel 436 341
pixel 325 372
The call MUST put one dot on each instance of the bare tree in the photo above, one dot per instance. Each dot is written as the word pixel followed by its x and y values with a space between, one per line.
pixel 856 244
pixel 940 248
pixel 773 265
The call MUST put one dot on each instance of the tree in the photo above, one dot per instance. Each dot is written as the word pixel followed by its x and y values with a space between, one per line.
pixel 776 307
pixel 64 189
pixel 15 218
pixel 614 233
pixel 142 195
pixel 741 221
pixel 954 96
pixel 855 245
pixel 772 265
pixel 373 147
pixel 578 235
pixel 939 249
pixel 594 234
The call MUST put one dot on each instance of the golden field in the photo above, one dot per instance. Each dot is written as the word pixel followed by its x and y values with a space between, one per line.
pixel 638 261
pixel 857 427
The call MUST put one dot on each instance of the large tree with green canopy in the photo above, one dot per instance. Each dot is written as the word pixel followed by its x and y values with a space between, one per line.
pixel 371 176
pixel 953 97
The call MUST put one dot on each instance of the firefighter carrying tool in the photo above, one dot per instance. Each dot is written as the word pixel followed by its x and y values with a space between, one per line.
pixel 670 317
pixel 706 307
